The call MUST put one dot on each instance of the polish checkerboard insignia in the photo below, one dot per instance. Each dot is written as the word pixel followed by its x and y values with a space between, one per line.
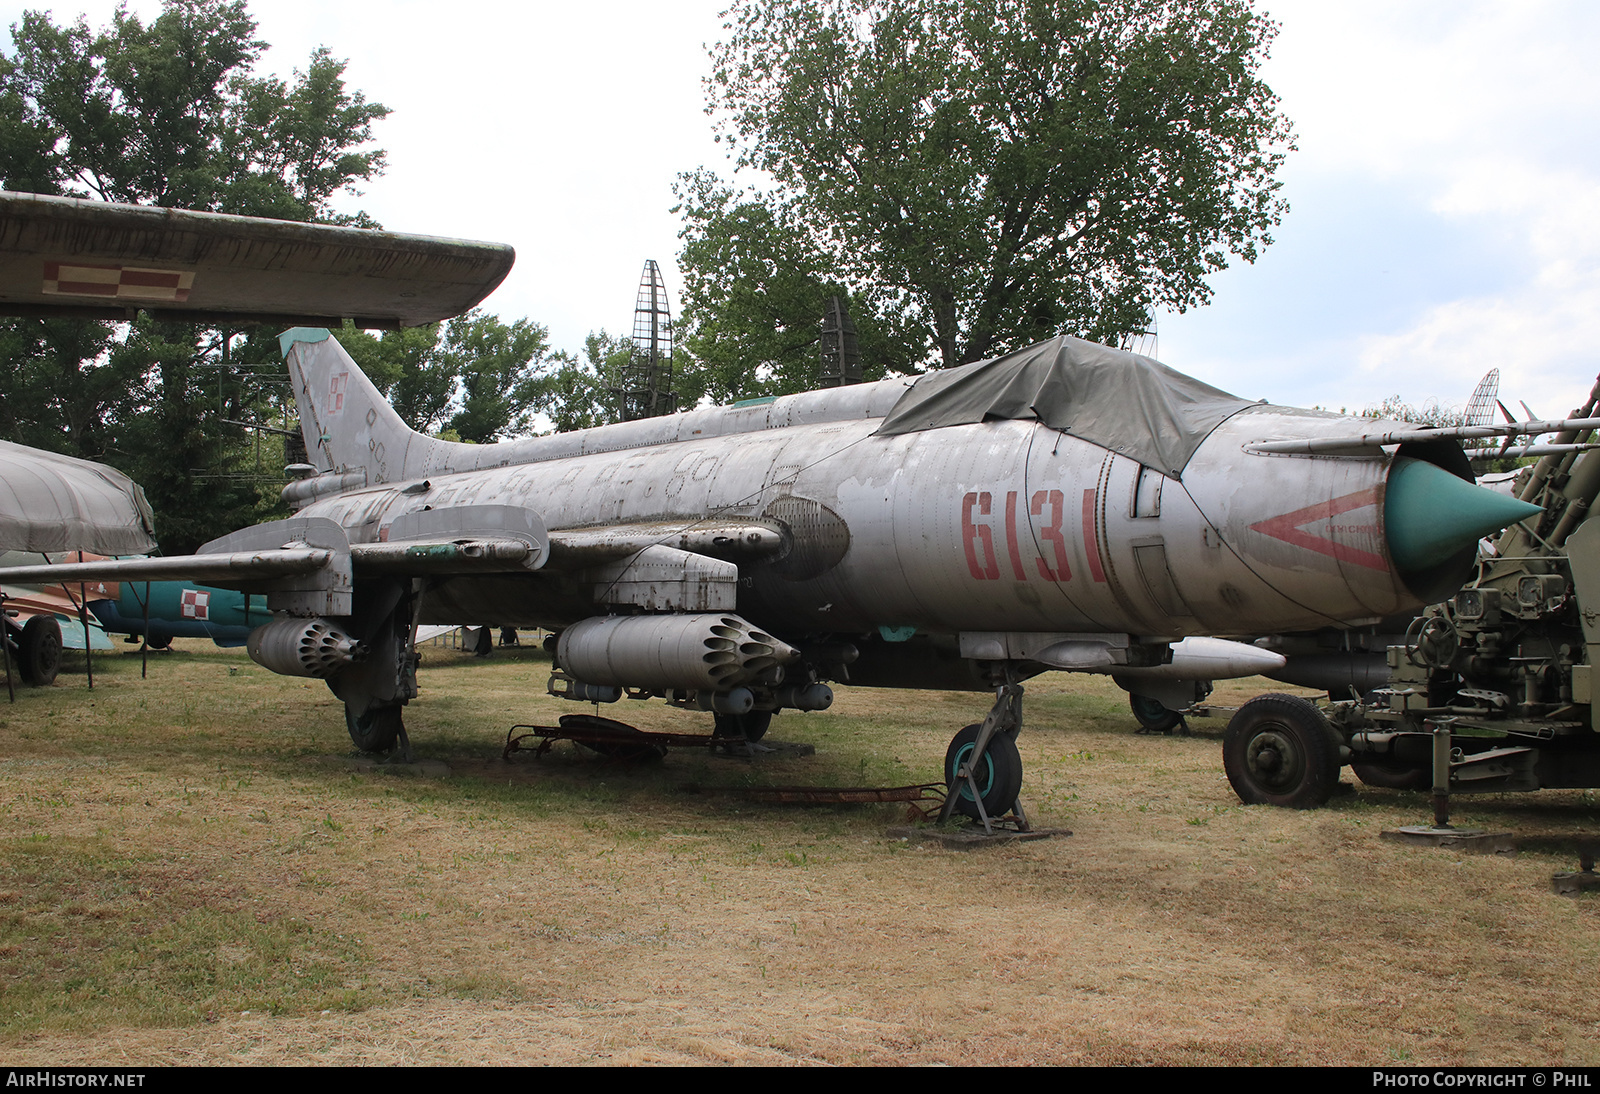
pixel 117 282
pixel 196 604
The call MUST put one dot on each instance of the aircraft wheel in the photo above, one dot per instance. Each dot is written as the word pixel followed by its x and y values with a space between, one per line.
pixel 378 730
pixel 752 726
pixel 999 774
pixel 1280 750
pixel 1391 777
pixel 1152 715
pixel 39 650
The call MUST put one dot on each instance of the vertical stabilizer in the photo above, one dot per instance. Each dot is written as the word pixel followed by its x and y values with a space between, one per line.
pixel 347 423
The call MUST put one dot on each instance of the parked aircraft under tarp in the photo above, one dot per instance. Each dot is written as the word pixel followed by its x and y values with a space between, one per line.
pixel 54 503
pixel 99 260
pixel 50 502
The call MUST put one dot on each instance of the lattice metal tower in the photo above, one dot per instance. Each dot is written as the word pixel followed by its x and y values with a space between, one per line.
pixel 841 356
pixel 644 389
pixel 1480 411
pixel 1143 342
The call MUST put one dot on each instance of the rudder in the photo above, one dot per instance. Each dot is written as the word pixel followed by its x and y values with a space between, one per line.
pixel 347 423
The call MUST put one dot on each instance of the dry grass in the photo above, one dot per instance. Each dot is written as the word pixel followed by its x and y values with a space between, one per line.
pixel 191 870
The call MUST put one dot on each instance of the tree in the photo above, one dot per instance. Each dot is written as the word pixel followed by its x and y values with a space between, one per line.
pixel 166 114
pixel 985 175
pixel 474 377
pixel 755 289
pixel 405 365
pixel 498 368
pixel 577 392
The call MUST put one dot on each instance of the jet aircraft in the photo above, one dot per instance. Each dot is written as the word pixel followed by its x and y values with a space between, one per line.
pixel 1068 507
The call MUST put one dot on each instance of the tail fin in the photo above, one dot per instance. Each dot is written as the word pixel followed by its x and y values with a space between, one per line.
pixel 347 423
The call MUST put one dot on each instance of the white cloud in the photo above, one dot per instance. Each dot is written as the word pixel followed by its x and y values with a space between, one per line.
pixel 1446 209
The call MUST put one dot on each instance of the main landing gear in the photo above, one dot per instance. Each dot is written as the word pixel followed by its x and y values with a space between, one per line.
pixel 983 770
pixel 377 686
pixel 39 650
pixel 1154 716
pixel 379 729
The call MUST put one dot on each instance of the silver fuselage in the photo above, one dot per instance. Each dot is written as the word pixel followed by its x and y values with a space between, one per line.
pixel 999 526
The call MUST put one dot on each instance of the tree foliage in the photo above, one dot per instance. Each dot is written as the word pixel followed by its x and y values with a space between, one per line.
pixel 166 113
pixel 755 289
pixel 979 176
pixel 1431 413
pixel 576 393
pixel 498 367
pixel 169 114
pixel 475 377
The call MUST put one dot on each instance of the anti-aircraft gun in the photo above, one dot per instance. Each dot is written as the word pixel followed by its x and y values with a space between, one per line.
pixel 1506 666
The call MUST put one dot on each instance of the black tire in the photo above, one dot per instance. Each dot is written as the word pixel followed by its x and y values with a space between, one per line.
pixel 751 727
pixel 1279 750
pixel 39 651
pixel 378 730
pixel 999 777
pixel 1393 777
pixel 625 751
pixel 1153 715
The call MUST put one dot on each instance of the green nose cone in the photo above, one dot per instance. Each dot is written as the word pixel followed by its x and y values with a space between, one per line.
pixel 1430 515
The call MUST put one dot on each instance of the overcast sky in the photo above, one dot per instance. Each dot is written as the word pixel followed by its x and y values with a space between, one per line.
pixel 1445 195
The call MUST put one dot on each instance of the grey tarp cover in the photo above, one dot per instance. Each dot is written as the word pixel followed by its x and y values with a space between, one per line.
pixel 1130 404
pixel 57 503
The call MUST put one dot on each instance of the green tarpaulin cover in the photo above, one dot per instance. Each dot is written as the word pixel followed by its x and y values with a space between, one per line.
pixel 1133 405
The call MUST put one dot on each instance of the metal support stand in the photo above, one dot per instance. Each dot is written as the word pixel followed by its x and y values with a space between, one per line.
pixel 1442 833
pixel 5 645
pixel 144 639
pixel 1585 880
pixel 83 621
pixel 1441 773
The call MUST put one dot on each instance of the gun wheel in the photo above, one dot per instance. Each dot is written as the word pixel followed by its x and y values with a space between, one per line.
pixel 1279 750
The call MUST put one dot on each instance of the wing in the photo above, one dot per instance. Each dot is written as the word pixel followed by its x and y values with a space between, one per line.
pixel 306 565
pixel 99 260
